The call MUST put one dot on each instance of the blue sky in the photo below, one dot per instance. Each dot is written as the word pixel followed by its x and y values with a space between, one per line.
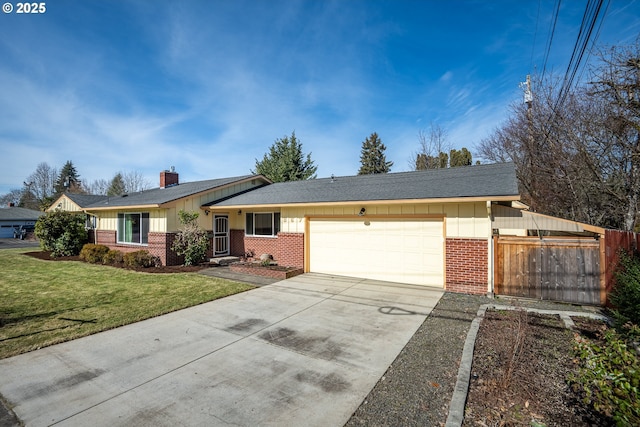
pixel 208 86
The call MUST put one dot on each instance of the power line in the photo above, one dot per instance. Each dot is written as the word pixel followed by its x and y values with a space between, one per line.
pixel 589 19
pixel 535 35
pixel 550 38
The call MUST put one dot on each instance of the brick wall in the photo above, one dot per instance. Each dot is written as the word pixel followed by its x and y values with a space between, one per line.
pixel 236 244
pixel 159 245
pixel 287 249
pixel 290 249
pixel 467 265
pixel 261 245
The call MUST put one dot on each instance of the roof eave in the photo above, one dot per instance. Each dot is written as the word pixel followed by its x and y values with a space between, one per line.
pixel 114 207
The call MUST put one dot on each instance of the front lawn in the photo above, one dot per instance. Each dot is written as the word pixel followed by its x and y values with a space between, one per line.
pixel 46 302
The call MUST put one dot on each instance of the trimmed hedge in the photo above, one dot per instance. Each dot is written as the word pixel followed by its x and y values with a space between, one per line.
pixel 141 258
pixel 93 254
pixel 113 257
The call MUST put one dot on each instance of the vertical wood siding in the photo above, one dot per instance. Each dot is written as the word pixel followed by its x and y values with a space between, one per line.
pixel 463 220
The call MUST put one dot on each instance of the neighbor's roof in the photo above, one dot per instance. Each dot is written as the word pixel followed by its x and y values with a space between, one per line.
pixel 488 182
pixel 84 200
pixel 160 196
pixel 21 214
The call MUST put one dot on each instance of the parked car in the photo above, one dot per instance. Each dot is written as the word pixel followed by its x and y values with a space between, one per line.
pixel 20 232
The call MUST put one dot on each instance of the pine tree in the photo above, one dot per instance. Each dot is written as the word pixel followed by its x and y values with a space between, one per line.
pixel 116 187
pixel 68 180
pixel 372 157
pixel 460 157
pixel 286 162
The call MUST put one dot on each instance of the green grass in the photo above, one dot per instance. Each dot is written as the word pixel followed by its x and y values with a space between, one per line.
pixel 45 302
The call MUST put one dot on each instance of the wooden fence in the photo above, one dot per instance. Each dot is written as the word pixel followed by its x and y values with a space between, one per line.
pixel 574 270
pixel 556 269
pixel 614 242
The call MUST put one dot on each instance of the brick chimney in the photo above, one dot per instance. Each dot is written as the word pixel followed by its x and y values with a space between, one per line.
pixel 168 178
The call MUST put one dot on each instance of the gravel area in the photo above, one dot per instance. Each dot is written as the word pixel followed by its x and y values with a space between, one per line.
pixel 417 388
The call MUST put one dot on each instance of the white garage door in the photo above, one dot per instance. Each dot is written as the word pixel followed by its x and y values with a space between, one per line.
pixel 396 250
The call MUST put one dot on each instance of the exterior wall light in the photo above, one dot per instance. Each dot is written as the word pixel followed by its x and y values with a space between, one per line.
pixel 362 211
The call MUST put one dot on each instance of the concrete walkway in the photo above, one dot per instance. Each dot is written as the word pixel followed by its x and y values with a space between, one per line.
pixel 305 351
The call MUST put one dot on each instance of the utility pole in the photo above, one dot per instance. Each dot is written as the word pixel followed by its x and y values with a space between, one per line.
pixel 531 149
pixel 526 87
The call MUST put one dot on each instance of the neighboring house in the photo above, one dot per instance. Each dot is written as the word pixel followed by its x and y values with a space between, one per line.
pixel 461 229
pixel 13 218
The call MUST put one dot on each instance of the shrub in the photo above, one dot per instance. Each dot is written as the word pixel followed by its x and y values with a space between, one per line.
pixel 609 378
pixel 93 253
pixel 626 294
pixel 61 232
pixel 113 257
pixel 191 241
pixel 140 259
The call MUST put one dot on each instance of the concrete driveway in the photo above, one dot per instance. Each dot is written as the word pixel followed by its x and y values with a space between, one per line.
pixel 17 243
pixel 305 351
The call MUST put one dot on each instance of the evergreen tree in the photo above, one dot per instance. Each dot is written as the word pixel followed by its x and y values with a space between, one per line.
pixel 68 180
pixel 286 162
pixel 460 157
pixel 116 187
pixel 372 157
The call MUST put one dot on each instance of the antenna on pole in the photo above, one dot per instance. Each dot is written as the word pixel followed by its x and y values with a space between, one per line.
pixel 526 88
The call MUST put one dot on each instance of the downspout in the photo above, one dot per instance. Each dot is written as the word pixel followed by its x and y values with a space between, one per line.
pixel 490 249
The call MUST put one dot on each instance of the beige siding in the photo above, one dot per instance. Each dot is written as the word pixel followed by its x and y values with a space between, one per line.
pixel 65 204
pixel 463 220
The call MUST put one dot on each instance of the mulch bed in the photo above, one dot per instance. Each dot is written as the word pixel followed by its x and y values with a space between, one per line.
pixel 46 256
pixel 520 372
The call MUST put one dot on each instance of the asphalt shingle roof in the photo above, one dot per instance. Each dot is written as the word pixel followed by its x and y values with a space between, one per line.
pixel 22 214
pixel 84 200
pixel 471 181
pixel 159 196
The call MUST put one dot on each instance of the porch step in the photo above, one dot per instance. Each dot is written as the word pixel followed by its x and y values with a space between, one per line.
pixel 224 260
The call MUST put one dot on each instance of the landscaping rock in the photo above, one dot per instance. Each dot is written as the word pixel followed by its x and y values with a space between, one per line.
pixel 266 257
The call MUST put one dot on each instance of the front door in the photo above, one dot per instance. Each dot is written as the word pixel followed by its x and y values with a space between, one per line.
pixel 220 235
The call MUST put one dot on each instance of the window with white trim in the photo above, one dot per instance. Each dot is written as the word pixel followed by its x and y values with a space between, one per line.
pixel 262 224
pixel 133 228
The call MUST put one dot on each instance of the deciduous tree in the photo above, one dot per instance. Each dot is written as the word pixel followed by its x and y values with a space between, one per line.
pixel 191 241
pixel 577 152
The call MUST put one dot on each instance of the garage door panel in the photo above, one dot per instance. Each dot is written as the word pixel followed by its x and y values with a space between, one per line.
pixel 399 250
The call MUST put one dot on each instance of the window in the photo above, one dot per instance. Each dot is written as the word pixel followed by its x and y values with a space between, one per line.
pixel 133 228
pixel 262 224
pixel 90 222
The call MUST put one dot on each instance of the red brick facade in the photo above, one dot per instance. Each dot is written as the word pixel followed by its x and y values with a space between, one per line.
pixel 287 249
pixel 290 249
pixel 466 259
pixel 159 245
pixel 467 265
